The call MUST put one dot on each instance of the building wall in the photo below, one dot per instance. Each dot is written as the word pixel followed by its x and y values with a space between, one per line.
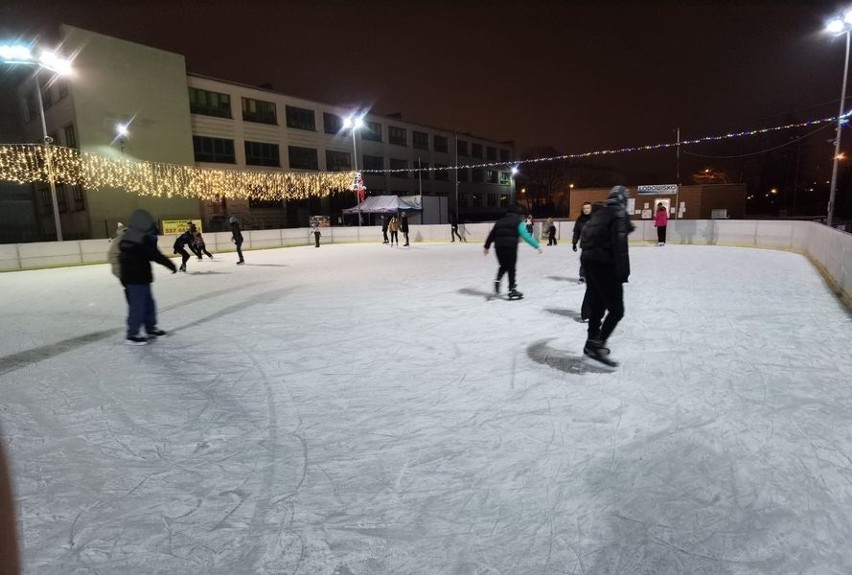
pixel 118 81
pixel 699 200
pixel 239 130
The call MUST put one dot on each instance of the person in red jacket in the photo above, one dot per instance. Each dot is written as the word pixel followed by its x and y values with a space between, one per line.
pixel 661 220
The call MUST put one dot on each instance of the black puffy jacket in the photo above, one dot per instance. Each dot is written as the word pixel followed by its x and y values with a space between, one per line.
pixel 138 248
pixel 505 232
pixel 604 238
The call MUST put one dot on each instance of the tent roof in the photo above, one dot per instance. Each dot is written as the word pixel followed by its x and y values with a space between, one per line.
pixel 383 205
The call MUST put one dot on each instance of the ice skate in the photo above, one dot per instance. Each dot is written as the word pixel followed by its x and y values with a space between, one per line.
pixel 595 350
pixel 514 294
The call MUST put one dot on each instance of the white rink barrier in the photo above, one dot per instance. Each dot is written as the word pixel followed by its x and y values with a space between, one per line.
pixel 830 249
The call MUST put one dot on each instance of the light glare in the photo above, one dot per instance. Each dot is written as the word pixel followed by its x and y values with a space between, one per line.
pixel 16 53
pixel 835 26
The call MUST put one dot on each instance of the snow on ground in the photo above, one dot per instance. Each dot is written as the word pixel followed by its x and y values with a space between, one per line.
pixel 361 409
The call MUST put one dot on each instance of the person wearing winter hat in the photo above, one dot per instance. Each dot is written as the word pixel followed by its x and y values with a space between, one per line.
pixel 137 249
pixel 606 263
pixel 504 235
pixel 237 237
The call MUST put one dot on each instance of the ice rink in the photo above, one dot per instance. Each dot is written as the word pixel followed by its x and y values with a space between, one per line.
pixel 364 410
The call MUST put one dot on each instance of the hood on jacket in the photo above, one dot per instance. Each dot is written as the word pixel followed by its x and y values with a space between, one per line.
pixel 141 224
pixel 618 195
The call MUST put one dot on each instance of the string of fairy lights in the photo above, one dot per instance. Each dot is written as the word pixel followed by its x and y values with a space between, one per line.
pixel 27 163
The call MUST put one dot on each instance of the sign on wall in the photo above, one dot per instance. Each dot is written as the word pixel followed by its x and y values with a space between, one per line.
pixel 658 190
pixel 177 227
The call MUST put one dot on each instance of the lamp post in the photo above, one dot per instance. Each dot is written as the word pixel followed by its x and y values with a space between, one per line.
pixel 50 61
pixel 513 174
pixel 354 123
pixel 121 133
pixel 839 26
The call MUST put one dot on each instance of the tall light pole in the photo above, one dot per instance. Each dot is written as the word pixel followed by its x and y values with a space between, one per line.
pixel 839 26
pixel 513 174
pixel 354 123
pixel 46 60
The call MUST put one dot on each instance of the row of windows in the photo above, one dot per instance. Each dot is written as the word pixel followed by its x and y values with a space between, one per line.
pixel 77 203
pixel 221 151
pixel 216 104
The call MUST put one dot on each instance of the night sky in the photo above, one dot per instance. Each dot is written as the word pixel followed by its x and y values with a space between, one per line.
pixel 575 76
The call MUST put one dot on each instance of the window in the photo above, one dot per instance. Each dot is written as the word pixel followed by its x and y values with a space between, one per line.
pixel 78 198
pixel 70 136
pixel 209 103
pixel 462 172
pixel 399 165
pixel 439 143
pixel 491 153
pixel 303 158
pixel 46 202
pixel 257 203
pixel 397 136
pixel 491 200
pixel 261 154
pixel 47 97
pixel 504 201
pixel 259 111
pixel 32 106
pixel 420 140
pixel 301 119
pixel 504 155
pixel 477 175
pixel 62 198
pixel 374 162
pixel 442 174
pixel 477 200
pixel 337 161
pixel 476 150
pixel 372 132
pixel 462 148
pixel 216 150
pixel 505 178
pixel 332 124
pixel 493 176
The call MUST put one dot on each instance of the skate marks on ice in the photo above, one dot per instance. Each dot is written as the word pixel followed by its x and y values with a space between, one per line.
pixel 563 279
pixel 561 360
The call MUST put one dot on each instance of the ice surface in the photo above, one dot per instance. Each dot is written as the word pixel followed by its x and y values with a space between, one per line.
pixel 360 409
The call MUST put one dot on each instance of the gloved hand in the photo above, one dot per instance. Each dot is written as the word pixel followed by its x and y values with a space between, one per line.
pixel 574 247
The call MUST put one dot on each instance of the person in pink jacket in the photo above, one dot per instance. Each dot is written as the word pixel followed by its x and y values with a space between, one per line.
pixel 661 220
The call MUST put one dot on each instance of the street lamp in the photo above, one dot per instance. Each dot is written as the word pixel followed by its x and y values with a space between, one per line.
pixel 121 133
pixel 46 60
pixel 355 123
pixel 839 26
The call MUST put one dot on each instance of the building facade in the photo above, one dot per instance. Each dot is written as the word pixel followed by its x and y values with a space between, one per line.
pixel 180 118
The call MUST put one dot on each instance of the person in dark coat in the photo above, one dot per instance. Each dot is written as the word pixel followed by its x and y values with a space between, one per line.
pixel 578 230
pixel 504 235
pixel 237 237
pixel 181 243
pixel 137 249
pixel 193 245
pixel 454 229
pixel 403 227
pixel 385 221
pixel 607 266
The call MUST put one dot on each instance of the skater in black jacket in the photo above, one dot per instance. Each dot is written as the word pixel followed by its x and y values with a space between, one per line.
pixel 237 238
pixel 607 267
pixel 137 249
pixel 181 243
pixel 504 235
pixel 578 231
